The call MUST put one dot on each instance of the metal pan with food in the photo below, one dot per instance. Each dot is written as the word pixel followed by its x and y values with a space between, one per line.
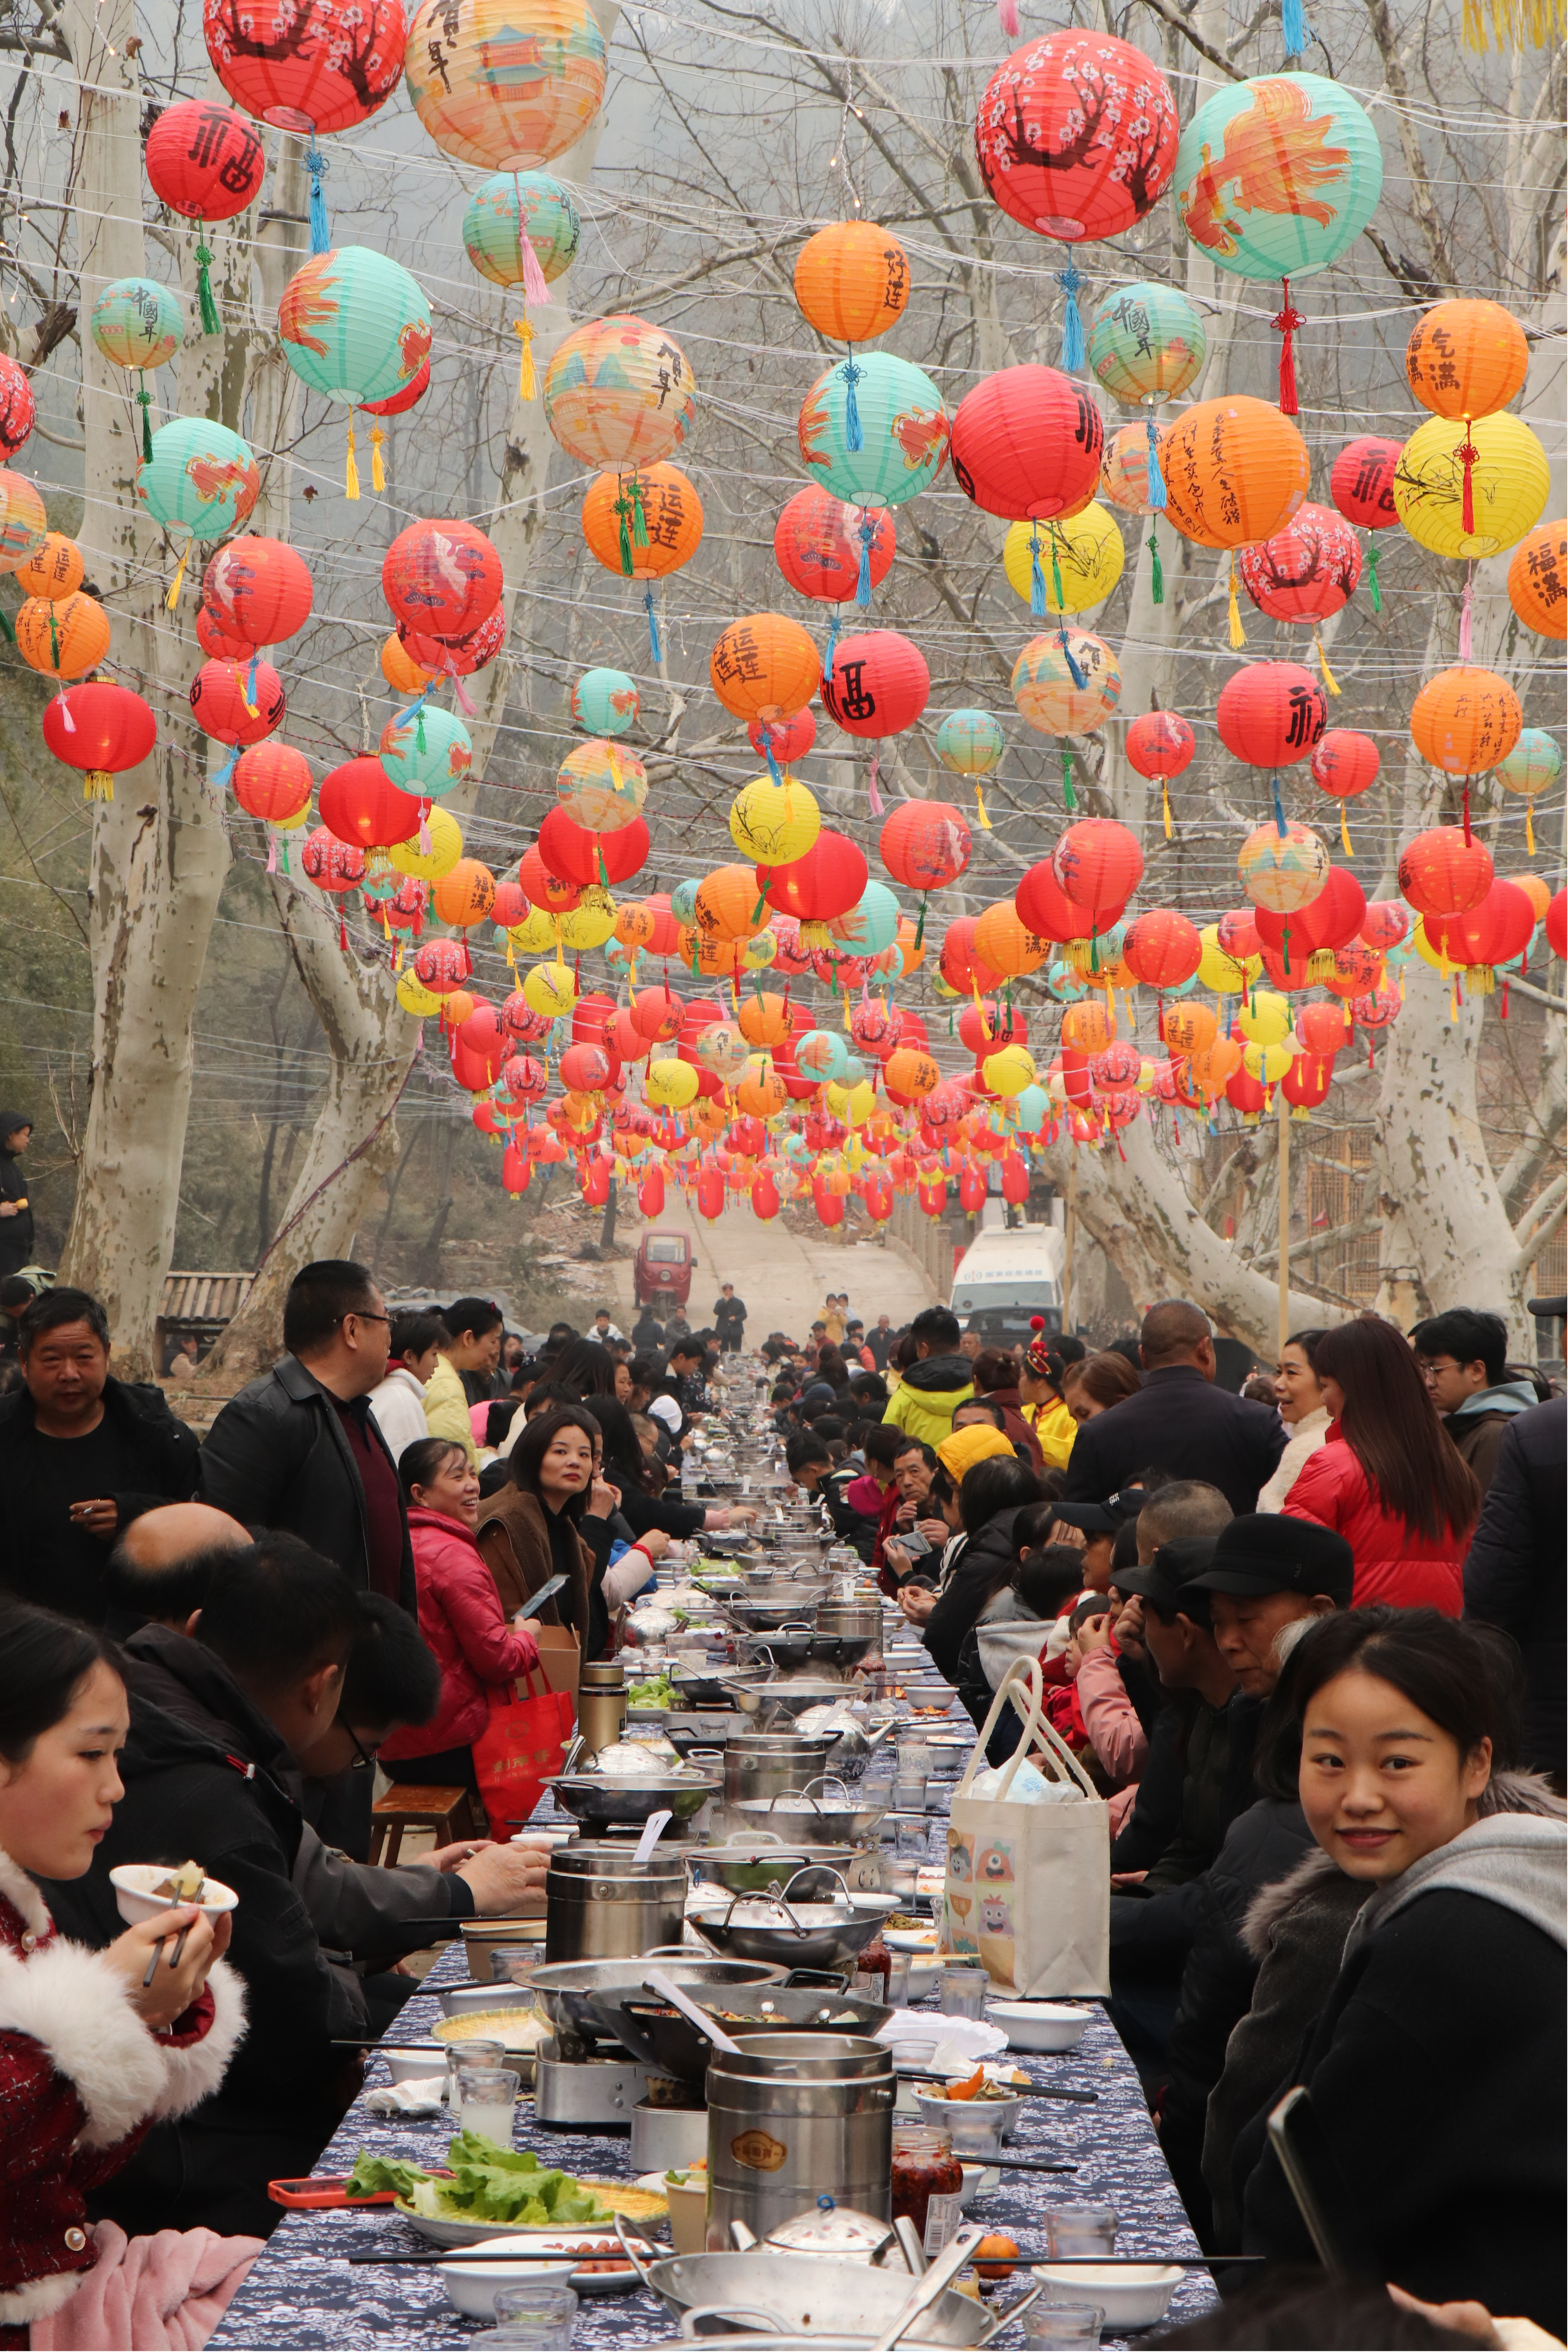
pixel 795 1932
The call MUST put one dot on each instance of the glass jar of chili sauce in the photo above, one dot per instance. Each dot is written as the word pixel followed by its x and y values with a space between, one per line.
pixel 925 2173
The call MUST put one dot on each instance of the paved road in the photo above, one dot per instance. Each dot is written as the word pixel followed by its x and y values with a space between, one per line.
pixel 783 1279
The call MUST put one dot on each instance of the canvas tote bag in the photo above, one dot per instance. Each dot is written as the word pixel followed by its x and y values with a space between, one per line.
pixel 1029 1886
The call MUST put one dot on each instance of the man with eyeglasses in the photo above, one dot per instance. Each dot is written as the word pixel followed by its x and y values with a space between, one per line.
pixel 1463 1359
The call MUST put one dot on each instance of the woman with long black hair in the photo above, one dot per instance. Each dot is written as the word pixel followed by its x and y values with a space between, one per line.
pixel 529 1531
pixel 1386 1476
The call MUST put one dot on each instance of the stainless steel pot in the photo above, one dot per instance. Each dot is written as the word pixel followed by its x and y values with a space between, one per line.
pixel 794 2117
pixel 761 1764
pixel 822 1810
pixel 780 1652
pixel 750 1865
pixel 807 2294
pixel 764 1610
pixel 581 2001
pixel 601 1903
pixel 847 1632
pixel 792 1930
pixel 597 1800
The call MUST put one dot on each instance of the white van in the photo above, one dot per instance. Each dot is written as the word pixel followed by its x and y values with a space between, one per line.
pixel 1006 1278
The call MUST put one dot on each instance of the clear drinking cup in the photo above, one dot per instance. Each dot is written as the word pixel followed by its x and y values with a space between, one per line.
pixel 897 1992
pixel 908 1790
pixel 1079 2230
pixel 1057 2324
pixel 470 2053
pixel 912 1840
pixel 487 2100
pixel 961 1992
pixel 539 2315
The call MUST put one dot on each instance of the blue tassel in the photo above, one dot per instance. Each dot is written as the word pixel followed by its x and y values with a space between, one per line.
pixel 1155 496
pixel 832 642
pixel 1278 805
pixel 321 234
pixel 854 437
pixel 1072 350
pixel 1073 671
pixel 1293 26
pixel 222 779
pixel 1036 576
pixel 250 680
pixel 862 585
pixel 773 768
pixel 653 645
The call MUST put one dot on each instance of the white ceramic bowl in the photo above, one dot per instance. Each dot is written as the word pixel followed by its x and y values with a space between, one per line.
pixel 474 2286
pixel 923 1940
pixel 421 2063
pixel 978 2179
pixel 1039 2025
pixel 1130 2296
pixel 133 1882
pixel 976 2127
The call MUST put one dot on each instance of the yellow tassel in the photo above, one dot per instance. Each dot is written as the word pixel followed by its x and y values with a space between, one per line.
pixel 351 476
pixel 1344 832
pixel 1323 664
pixel 378 471
pixel 1529 832
pixel 981 809
pixel 1237 634
pixel 1165 797
pixel 1453 1000
pixel 175 584
pixel 97 784
pixel 1475 36
pixel 528 383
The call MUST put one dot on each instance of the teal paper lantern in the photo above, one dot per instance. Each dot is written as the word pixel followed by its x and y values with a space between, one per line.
pixel 873 430
pixel 1275 177
pixel 354 325
pixel 426 753
pixel 199 478
pixel 855 1072
pixel 683 903
pixel 1147 343
pixel 138 323
pixel 1533 765
pixel 1031 1109
pixel 871 925
pixel 970 742
pixel 518 217
pixel 823 1055
pixel 604 701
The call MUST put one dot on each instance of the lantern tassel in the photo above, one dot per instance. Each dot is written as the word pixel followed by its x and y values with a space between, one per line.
pixel 250 701
pixel 144 400
pixel 863 584
pixel 1294 27
pixel 1467 453
pixel 378 471
pixel 980 816
pixel 271 850
pixel 527 382
pixel 639 514
pixel 1008 17
pixel 211 322
pixel 351 469
pixel 1372 571
pixel 1072 349
pixel 175 584
pixel 220 781
pixel 1156 571
pixel 1345 833
pixel 283 865
pixel 873 794
pixel 1465 613
pixel 854 437
pixel 465 699
pixel 1237 634
pixel 1056 572
pixel 833 643
pixel 1154 492
pixel 321 234
pixel 770 756
pixel 342 932
pixel 1074 669
pixel 1529 830
pixel 1465 804
pixel 1279 805
pixel 920 926
pixel 1166 798
pixel 1287 319
pixel 67 721
pixel 654 648
pixel 6 631
pixel 1067 792
pixel 97 784
pixel 1329 679
pixel 1036 576
pixel 535 290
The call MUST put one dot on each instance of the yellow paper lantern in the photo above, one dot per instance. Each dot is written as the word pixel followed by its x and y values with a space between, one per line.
pixel 1008 1071
pixel 446 835
pixel 1064 566
pixel 1265 1017
pixel 1509 484
pixel 1268 1063
pixel 854 1105
pixel 773 824
pixel 551 990
pixel 1221 972
pixel 414 997
pixel 756 954
pixel 587 927
pixel 670 1085
pixel 535 935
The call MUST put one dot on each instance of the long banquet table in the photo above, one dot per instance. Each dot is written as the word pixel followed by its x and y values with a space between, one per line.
pixel 303 2292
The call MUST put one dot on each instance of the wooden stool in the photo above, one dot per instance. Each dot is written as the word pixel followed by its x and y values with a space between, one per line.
pixel 447 1812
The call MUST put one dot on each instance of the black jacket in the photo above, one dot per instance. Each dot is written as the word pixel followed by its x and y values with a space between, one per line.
pixel 1181 1423
pixel 729 1315
pixel 1435 2078
pixel 16 1232
pixel 167 1450
pixel 1206 1776
pixel 967 1590
pixel 1514 1572
pixel 215 1786
pixel 277 1458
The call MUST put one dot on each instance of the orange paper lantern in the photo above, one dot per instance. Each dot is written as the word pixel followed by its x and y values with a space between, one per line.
pixel 852 281
pixel 1466 358
pixel 1538 580
pixel 765 666
pixel 1465 720
pixel 672 524
pixel 1235 470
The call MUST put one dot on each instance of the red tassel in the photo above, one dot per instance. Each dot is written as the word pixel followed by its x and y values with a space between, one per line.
pixel 1467 809
pixel 1467 453
pixel 342 932
pixel 1288 320
pixel 1504 1006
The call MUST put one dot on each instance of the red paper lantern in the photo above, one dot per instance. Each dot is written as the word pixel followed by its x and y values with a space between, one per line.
pixel 1362 482
pixel 313 65
pixel 204 162
pixel 481 1034
pixel 1245 1093
pixel 332 864
pixel 1160 743
pixel 1162 949
pixel 1076 135
pixel 18 410
pixel 547 889
pixel 595 1186
pixel 238 702
pixel 1385 925
pixel 585 1069
pixel 1307 570
pixel 1557 925
pixel 359 803
pixel 590 1018
pixel 710 1194
pixel 1026 444
pixel 924 844
pixel 827 882
pixel 1332 919
pixel 1345 764
pixel 576 856
pixel 1442 874
pixel 112 730
pixel 441 966
pixel 983 1027
pixel 524 1079
pixel 516 1171
pixel 456 657
pixel 272 782
pixel 216 643
pixel 1496 931
pixel 1320 1029
pixel 511 905
pixel 818 543
pixel 878 685
pixel 257 590
pixel 959 964
pixel 1044 906
pixel 788 739
pixel 1306 1083
pixel 1271 714
pixel 407 396
pixel 519 1018
pixel 1097 864
pixel 440 580
pixel 1376 1008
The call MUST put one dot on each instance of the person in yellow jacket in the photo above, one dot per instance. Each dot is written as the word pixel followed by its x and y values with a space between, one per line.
pixel 934 1387
pixel 473 1345
pixel 1042 1408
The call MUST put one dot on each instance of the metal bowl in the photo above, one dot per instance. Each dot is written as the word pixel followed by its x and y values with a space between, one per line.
pixel 804 2295
pixel 783 1650
pixel 750 1865
pixel 593 1800
pixel 770 1607
pixel 818 1820
pixel 581 1999
pixel 794 1934
pixel 709 1685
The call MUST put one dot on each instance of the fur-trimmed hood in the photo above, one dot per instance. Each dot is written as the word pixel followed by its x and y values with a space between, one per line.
pixel 1506 1792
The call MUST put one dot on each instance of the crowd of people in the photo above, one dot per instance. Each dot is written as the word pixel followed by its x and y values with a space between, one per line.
pixel 1311 1650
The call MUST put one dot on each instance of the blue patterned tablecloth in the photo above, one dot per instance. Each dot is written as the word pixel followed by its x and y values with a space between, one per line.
pixel 303 2293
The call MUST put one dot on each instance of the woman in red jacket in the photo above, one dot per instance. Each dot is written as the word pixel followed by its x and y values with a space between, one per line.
pixel 1388 1477
pixel 460 1616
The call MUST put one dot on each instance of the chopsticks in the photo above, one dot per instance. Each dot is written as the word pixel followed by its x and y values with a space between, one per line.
pixel 477 2254
pixel 1015 2091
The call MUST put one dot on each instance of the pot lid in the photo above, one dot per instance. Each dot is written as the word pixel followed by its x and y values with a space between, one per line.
pixel 830 2229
